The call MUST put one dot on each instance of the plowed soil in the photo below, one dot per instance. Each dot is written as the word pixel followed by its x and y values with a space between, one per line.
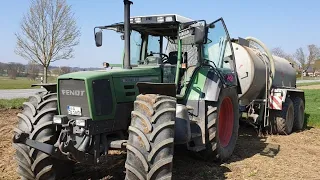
pixel 296 156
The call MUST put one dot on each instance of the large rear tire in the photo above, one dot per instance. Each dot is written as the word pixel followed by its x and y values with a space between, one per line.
pixel 151 138
pixel 222 126
pixel 36 120
pixel 282 121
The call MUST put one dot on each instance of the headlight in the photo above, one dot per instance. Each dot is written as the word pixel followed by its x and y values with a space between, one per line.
pixel 60 119
pixel 81 122
pixel 57 120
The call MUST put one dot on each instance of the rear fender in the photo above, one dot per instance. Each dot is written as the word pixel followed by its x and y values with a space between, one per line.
pixel 212 87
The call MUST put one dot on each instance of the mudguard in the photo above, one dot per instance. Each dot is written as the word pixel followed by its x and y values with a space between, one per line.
pixel 51 87
pixel 212 87
pixel 168 89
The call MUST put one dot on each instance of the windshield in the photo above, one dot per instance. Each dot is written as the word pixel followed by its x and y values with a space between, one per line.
pixel 135 47
pixel 136 41
pixel 158 48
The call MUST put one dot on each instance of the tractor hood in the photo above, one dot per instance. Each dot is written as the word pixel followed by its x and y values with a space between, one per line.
pixel 113 73
pixel 101 93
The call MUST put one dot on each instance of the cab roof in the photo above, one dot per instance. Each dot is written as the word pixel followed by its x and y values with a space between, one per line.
pixel 158 25
pixel 178 18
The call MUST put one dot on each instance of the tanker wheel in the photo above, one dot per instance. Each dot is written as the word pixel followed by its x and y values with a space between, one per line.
pixel 151 138
pixel 298 122
pixel 282 120
pixel 36 120
pixel 222 126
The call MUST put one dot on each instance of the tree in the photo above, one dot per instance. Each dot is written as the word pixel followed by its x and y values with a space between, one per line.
pixel 280 53
pixel 12 69
pixel 3 68
pixel 306 61
pixel 20 69
pixel 65 70
pixel 33 70
pixel 49 33
pixel 316 66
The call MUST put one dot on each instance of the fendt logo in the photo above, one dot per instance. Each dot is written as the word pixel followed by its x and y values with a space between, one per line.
pixel 72 92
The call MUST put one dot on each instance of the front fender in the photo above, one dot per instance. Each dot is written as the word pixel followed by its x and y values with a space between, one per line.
pixel 51 87
pixel 168 89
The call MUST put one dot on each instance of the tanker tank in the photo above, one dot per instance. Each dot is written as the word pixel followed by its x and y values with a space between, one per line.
pixel 251 66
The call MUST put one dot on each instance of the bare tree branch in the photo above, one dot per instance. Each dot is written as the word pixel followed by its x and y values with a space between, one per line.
pixel 307 61
pixel 48 33
pixel 280 53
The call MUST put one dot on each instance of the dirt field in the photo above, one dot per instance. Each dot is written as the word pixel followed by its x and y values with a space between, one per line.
pixel 274 157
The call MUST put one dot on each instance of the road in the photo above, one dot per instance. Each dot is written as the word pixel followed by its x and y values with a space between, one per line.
pixel 307 81
pixel 18 93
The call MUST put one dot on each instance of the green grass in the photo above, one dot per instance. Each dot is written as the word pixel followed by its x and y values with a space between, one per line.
pixel 312 109
pixel 12 103
pixel 20 82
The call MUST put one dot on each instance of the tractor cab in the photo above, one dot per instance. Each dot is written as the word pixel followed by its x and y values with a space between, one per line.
pixel 177 45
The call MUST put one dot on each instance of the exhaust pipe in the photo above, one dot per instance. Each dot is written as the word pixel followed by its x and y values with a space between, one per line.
pixel 126 63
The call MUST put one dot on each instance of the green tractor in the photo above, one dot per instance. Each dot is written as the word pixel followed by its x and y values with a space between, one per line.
pixel 177 86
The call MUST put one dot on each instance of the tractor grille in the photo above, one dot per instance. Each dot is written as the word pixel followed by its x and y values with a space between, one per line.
pixel 102 97
pixel 73 93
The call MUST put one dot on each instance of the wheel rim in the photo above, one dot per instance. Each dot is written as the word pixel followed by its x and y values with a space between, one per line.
pixel 225 127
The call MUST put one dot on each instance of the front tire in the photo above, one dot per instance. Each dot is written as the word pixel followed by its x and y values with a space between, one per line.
pixel 151 138
pixel 222 126
pixel 36 120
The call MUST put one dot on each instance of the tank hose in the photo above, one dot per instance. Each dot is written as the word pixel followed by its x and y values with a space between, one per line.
pixel 270 57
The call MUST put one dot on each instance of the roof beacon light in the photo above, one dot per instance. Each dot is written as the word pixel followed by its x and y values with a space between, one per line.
pixel 169 19
pixel 137 20
pixel 160 19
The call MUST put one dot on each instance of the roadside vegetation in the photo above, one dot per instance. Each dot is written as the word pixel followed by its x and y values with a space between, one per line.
pixel 12 103
pixel 20 82
pixel 312 109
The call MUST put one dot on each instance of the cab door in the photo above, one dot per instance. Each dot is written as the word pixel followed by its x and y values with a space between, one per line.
pixel 218 52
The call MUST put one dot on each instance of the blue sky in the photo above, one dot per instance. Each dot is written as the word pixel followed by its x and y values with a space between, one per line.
pixel 289 24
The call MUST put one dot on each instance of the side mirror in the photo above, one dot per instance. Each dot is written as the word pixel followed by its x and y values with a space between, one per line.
pixel 200 35
pixel 194 33
pixel 98 38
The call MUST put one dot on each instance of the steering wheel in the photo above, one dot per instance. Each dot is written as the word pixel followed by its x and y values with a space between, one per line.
pixel 164 57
